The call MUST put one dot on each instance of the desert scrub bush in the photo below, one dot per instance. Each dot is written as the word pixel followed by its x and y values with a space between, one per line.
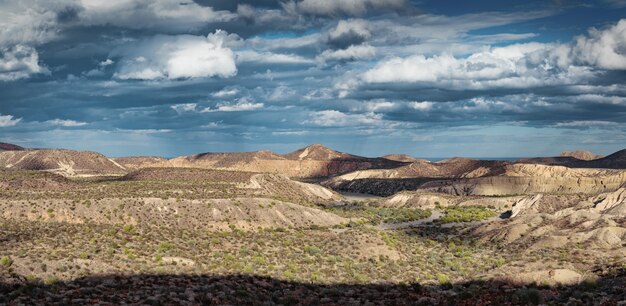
pixel 527 296
pixel 51 280
pixel 312 250
pixel 6 261
pixel 165 247
pixel 376 215
pixel 443 279
pixel 129 228
pixel 466 214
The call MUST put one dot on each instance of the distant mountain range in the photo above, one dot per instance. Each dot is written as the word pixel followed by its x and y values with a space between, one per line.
pixel 312 161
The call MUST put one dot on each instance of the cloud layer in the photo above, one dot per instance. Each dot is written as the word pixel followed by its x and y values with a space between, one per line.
pixel 369 77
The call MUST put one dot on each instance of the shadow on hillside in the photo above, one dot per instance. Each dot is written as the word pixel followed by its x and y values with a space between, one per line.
pixel 384 187
pixel 256 290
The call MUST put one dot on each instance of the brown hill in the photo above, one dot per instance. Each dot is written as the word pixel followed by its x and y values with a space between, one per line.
pixel 385 182
pixel 312 161
pixel 402 158
pixel 319 152
pixel 64 162
pixel 582 155
pixel 229 159
pixel 11 180
pixel 9 147
pixel 616 160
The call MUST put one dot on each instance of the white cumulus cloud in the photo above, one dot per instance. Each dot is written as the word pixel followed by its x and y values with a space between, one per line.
pixel 271 58
pixel 177 57
pixel 19 62
pixel 8 120
pixel 603 48
pixel 242 104
pixel 351 53
pixel 166 15
pixel 336 118
pixel 422 106
pixel 66 122
pixel 185 107
pixel 340 7
pixel 512 66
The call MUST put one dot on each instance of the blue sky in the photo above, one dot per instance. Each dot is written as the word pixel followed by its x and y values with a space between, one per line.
pixel 371 77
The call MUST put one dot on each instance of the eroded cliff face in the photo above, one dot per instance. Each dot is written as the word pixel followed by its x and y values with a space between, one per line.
pixel 552 221
pixel 531 179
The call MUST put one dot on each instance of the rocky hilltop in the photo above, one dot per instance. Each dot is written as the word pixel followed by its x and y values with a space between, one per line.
pixel 582 155
pixel 616 160
pixel 9 147
pixel 313 161
pixel 402 158
pixel 64 162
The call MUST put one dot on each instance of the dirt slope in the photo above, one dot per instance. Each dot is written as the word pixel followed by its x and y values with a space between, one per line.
pixel 137 162
pixel 64 162
pixel 244 213
pixel 551 221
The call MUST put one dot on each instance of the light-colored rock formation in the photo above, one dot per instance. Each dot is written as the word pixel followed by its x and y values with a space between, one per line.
pixel 531 179
pixel 582 155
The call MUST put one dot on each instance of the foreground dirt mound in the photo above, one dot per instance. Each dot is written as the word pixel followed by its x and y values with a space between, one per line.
pixel 285 188
pixel 194 289
pixel 188 175
pixel 12 180
pixel 312 161
pixel 530 179
pixel 64 162
pixel 243 213
pixel 250 183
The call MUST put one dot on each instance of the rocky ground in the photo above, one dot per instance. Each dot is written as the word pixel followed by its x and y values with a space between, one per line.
pixel 495 233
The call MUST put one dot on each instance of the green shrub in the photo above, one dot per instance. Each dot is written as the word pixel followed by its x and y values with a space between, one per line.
pixel 312 250
pixel 6 261
pixel 466 214
pixel 443 279
pixel 165 246
pixel 129 228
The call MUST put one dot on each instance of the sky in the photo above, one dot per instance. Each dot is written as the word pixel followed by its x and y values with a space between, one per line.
pixel 369 77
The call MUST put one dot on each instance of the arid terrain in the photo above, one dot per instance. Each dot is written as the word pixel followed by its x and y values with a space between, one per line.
pixel 311 227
